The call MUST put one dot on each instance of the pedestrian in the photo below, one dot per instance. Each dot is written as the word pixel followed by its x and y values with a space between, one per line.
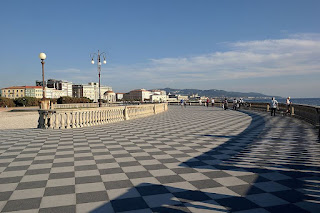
pixel 212 102
pixel 273 106
pixel 208 102
pixel 181 103
pixel 225 104
pixel 235 102
pixel 200 102
pixel 288 104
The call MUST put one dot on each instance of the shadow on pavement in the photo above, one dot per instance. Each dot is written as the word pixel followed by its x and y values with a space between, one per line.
pixel 252 170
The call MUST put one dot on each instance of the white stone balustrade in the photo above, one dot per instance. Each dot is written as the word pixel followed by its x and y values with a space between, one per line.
pixel 76 118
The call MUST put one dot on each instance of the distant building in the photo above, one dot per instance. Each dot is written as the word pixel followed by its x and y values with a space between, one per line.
pixel 64 88
pixel 90 90
pixel 110 96
pixel 119 96
pixel 138 95
pixel 34 91
pixel 13 92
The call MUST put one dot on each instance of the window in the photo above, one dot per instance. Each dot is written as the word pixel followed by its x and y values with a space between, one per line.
pixel 17 90
pixel 21 90
pixel 8 90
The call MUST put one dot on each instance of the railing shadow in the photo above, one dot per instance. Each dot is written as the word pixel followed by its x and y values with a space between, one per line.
pixel 290 182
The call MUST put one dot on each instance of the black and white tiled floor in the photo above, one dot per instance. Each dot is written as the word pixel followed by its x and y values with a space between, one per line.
pixel 194 159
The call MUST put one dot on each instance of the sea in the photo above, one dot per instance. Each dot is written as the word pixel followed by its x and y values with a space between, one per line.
pixel 307 101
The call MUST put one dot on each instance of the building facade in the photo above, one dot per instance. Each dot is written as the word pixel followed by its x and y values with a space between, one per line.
pixel 110 97
pixel 90 90
pixel 13 92
pixel 34 91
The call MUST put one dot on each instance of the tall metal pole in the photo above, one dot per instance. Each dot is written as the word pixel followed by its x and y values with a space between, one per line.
pixel 99 70
pixel 43 87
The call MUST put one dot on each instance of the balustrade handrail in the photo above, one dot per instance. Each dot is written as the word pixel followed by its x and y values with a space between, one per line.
pixel 309 113
pixel 81 117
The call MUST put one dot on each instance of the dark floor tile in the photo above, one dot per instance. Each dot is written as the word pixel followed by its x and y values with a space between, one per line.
pixel 38 171
pixel 155 167
pixel 286 208
pixel 129 204
pixel 110 171
pixel 216 174
pixel 23 204
pixel 59 209
pixel 32 185
pixel 42 161
pixel 152 190
pixel 255 178
pixel 89 197
pixel 246 189
pixel 88 179
pixel 189 196
pixel 105 161
pixel 16 168
pixel 291 196
pixel 63 164
pixel 5 195
pixel 171 209
pixel 202 184
pixel 59 190
pixel 142 174
pixel 10 180
pixel 170 179
pixel 118 184
pixel 85 167
pixel 237 203
pixel 170 160
pixel 292 183
pixel 184 170
pixel 61 175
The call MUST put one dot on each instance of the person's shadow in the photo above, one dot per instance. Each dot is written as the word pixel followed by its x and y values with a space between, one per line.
pixel 253 171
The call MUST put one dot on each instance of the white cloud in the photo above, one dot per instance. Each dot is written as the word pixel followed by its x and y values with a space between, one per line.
pixel 298 55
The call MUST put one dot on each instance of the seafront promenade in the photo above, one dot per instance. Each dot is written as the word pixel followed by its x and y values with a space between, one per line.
pixel 193 159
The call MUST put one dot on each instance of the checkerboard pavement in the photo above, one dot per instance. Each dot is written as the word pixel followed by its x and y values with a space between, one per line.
pixel 195 159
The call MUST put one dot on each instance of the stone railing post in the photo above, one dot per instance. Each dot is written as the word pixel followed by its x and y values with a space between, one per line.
pixel 268 107
pixel 154 109
pixel 292 110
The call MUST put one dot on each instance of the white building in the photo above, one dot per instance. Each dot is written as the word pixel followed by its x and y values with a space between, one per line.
pixel 90 90
pixel 110 96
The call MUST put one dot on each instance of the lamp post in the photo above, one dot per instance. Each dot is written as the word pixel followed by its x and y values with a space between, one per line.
pixel 43 56
pixel 93 55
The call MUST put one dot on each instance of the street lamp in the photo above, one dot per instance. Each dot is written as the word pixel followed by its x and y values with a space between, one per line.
pixel 43 56
pixel 92 55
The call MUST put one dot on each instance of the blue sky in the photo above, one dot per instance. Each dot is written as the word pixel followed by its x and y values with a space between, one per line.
pixel 266 46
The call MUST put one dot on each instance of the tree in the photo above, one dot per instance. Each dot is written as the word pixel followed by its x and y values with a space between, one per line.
pixel 6 102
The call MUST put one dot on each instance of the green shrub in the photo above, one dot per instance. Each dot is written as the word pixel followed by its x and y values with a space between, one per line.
pixel 27 101
pixel 6 102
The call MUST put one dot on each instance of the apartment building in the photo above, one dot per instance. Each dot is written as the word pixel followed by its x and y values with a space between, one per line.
pixel 13 92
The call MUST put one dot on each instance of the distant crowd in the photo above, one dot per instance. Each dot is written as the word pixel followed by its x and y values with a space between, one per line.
pixel 237 104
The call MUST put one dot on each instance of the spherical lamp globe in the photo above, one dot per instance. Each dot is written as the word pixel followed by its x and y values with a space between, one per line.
pixel 104 61
pixel 42 56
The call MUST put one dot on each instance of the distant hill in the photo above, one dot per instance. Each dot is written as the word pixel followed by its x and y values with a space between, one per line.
pixel 215 93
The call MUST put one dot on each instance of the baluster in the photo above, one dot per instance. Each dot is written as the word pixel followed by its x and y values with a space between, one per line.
pixel 68 120
pixel 80 119
pixel 56 121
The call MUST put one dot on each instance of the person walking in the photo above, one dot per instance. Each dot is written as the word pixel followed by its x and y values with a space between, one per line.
pixel 212 102
pixel 288 104
pixel 181 103
pixel 225 104
pixel 235 102
pixel 208 102
pixel 273 106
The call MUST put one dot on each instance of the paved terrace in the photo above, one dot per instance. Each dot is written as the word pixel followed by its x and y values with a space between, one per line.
pixel 196 159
